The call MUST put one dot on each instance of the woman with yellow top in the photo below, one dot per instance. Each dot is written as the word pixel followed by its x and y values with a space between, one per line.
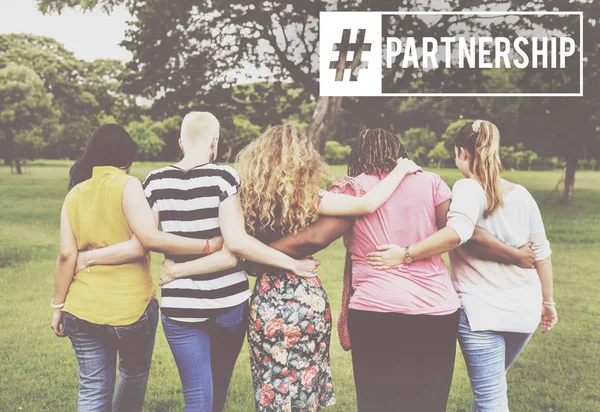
pixel 109 310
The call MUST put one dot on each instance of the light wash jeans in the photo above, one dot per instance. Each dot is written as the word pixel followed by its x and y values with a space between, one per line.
pixel 96 348
pixel 488 355
pixel 205 354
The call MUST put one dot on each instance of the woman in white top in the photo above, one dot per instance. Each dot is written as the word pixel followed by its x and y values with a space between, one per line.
pixel 501 304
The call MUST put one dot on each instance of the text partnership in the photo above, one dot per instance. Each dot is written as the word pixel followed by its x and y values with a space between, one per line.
pixel 479 52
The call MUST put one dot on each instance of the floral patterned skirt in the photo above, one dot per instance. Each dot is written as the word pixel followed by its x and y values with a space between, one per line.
pixel 289 335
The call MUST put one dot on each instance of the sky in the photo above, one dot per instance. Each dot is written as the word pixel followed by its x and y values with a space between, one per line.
pixel 91 35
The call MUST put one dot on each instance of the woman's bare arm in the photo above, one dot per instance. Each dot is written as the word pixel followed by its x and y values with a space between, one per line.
pixel 338 204
pixel 143 224
pixel 441 214
pixel 486 246
pixel 549 314
pixel 444 240
pixel 65 264
pixel 125 252
pixel 314 238
pixel 67 257
pixel 544 270
pixel 233 227
pixel 221 260
pixel 317 236
pixel 117 254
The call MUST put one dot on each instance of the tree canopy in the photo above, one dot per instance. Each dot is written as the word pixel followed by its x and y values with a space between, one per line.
pixel 26 113
pixel 195 55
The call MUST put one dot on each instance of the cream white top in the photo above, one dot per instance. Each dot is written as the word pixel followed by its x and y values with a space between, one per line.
pixel 496 296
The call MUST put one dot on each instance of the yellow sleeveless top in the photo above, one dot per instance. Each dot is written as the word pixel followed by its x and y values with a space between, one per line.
pixel 106 295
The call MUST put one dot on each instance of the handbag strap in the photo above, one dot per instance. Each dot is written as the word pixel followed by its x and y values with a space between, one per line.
pixel 341 186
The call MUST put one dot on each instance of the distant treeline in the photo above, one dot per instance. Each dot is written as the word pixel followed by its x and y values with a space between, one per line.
pixel 53 101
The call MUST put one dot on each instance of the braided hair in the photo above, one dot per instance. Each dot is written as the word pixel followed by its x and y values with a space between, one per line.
pixel 375 152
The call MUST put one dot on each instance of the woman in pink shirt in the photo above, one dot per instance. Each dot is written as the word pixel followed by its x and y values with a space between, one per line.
pixel 402 321
pixel 502 305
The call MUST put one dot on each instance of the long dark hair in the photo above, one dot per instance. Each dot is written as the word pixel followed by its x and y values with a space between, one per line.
pixel 109 145
pixel 482 140
pixel 375 152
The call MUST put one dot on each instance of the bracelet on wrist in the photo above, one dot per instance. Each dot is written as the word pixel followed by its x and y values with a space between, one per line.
pixel 55 306
pixel 407 257
pixel 548 303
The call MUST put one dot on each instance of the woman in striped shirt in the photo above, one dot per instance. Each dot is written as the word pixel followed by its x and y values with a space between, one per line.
pixel 204 300
pixel 205 315
pixel 109 310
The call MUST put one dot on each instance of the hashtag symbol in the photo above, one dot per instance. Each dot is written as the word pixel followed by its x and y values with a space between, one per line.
pixel 341 64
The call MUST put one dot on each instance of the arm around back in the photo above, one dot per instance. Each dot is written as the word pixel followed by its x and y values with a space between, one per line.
pixel 336 204
pixel 233 228
pixel 317 236
pixel 143 224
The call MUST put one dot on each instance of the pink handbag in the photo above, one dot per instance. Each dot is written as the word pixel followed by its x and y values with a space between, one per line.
pixel 342 324
pixel 349 186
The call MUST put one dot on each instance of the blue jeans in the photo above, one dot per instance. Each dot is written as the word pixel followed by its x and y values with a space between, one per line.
pixel 488 355
pixel 205 354
pixel 96 348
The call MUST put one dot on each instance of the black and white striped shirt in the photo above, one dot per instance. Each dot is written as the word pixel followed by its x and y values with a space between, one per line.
pixel 188 205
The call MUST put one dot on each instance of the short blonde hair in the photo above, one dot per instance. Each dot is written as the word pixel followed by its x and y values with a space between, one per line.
pixel 199 127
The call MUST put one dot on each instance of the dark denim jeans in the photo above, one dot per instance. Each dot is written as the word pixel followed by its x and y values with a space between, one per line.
pixel 96 348
pixel 205 353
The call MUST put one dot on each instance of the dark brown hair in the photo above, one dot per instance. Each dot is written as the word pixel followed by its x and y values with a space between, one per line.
pixel 375 152
pixel 109 145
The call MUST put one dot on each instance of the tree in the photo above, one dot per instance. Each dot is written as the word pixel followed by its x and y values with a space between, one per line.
pixel 452 130
pixel 418 142
pixel 144 133
pixel 244 131
pixel 566 126
pixel 169 131
pixel 81 90
pixel 27 116
pixel 182 50
pixel 336 153
pixel 439 154
pixel 507 157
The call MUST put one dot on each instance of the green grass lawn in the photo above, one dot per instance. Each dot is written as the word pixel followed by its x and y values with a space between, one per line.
pixel 556 372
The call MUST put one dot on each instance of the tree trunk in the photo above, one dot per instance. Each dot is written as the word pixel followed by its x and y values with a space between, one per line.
pixel 324 116
pixel 18 166
pixel 8 148
pixel 327 108
pixel 570 178
pixel 439 164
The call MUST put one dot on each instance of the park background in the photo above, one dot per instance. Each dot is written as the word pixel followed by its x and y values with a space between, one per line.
pixel 253 64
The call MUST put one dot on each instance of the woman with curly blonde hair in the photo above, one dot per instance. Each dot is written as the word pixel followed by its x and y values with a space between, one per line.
pixel 290 318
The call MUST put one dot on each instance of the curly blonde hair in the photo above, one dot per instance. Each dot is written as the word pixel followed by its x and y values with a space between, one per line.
pixel 281 173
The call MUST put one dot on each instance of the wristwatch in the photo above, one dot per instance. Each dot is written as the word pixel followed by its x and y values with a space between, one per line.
pixel 407 257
